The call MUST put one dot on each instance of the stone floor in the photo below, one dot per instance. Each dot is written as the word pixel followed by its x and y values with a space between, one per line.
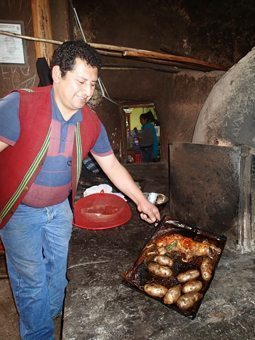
pixel 100 307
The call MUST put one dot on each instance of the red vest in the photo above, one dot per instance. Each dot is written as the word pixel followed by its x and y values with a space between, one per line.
pixel 20 164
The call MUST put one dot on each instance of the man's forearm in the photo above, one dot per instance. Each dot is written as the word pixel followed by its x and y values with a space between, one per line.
pixel 121 178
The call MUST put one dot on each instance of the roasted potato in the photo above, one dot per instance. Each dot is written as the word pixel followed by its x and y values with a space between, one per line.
pixel 206 269
pixel 155 289
pixel 187 300
pixel 162 250
pixel 159 270
pixel 172 295
pixel 163 260
pixel 192 286
pixel 188 275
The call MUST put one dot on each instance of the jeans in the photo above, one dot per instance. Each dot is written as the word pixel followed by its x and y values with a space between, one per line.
pixel 36 247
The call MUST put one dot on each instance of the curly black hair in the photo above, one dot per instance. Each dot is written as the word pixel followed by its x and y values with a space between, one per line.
pixel 64 56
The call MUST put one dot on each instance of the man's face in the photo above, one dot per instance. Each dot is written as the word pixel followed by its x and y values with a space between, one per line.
pixel 76 88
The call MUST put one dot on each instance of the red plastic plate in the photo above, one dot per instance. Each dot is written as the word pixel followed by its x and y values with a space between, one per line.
pixel 101 211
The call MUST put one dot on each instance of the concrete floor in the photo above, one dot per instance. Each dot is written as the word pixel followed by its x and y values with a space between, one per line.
pixel 100 307
pixel 227 312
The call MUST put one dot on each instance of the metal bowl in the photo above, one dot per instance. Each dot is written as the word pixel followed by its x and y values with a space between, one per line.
pixel 156 198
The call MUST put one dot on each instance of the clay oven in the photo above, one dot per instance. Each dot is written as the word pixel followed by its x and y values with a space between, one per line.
pixel 212 179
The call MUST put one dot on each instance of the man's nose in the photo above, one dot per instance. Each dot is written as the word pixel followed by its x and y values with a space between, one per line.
pixel 87 90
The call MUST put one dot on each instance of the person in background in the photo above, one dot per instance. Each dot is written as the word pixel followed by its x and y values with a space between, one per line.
pixel 148 138
pixel 45 134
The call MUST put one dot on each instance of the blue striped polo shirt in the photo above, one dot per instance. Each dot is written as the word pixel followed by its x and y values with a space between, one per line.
pixel 53 183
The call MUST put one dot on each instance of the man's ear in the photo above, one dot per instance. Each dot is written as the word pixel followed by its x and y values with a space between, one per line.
pixel 56 73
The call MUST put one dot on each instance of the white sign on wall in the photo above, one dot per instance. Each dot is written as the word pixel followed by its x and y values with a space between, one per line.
pixel 11 49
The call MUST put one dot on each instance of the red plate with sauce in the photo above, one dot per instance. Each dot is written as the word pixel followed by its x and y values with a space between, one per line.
pixel 101 211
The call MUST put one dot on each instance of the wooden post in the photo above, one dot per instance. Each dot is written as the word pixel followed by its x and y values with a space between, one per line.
pixel 42 28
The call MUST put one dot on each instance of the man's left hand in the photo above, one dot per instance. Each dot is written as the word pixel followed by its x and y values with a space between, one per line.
pixel 148 211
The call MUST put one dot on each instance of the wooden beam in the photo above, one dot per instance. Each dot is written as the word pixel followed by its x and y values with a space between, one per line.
pixel 171 57
pixel 42 28
pixel 143 55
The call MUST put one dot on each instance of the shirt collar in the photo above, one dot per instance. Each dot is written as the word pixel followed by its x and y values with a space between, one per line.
pixel 56 114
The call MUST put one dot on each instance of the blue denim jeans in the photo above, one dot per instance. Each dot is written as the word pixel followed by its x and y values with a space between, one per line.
pixel 36 246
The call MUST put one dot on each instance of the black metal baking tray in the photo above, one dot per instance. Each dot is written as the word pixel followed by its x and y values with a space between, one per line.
pixel 188 248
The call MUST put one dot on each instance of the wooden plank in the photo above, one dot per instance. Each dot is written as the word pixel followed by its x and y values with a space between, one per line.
pixel 42 28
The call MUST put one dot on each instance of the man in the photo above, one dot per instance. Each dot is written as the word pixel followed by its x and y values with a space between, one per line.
pixel 45 133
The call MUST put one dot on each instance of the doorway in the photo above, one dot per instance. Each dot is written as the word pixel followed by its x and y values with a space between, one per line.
pixel 134 131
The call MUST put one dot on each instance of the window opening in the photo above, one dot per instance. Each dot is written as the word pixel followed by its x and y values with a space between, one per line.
pixel 142 131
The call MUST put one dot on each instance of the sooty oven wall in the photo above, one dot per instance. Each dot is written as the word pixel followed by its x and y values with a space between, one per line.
pixel 210 31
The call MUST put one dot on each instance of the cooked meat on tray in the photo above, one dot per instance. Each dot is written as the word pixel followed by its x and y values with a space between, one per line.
pixel 184 245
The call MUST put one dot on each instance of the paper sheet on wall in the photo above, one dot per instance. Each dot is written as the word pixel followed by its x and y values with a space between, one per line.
pixel 11 49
